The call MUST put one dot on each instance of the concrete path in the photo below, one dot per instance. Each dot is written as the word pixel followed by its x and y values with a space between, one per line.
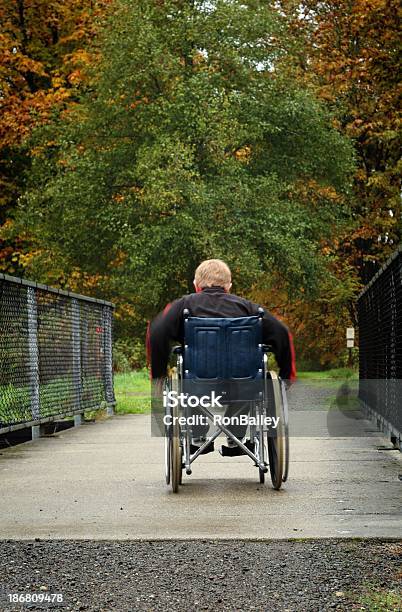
pixel 105 480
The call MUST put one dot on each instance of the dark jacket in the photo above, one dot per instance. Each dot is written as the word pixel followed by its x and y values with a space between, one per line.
pixel 215 302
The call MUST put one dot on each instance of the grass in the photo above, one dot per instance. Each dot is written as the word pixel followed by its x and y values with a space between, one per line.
pixel 329 379
pixel 133 392
pixel 334 374
pixel 379 600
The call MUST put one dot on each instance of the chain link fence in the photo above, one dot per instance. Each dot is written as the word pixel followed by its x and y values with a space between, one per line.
pixel 380 339
pixel 55 354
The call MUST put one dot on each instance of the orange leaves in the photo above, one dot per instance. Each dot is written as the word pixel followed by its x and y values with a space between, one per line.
pixel 39 65
pixel 119 260
pixel 125 311
pixel 313 194
pixel 243 154
pixel 318 325
pixel 85 283
pixel 80 57
pixel 353 61
pixel 76 77
pixel 46 49
pixel 141 100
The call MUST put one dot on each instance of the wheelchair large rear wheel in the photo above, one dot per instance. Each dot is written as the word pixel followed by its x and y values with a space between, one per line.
pixel 276 438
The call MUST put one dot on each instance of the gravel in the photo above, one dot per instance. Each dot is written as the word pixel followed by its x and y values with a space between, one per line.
pixel 294 576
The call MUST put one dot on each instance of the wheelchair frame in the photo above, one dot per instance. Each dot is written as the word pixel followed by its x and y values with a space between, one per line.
pixel 269 449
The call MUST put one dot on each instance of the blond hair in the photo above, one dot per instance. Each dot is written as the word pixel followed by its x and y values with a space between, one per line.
pixel 213 273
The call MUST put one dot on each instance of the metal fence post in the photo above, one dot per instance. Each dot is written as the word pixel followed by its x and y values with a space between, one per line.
pixel 108 359
pixel 76 341
pixel 33 352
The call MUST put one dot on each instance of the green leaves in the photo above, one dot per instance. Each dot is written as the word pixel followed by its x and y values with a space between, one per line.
pixel 191 144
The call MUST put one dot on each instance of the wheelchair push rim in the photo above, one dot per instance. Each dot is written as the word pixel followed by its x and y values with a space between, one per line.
pixel 276 442
pixel 286 431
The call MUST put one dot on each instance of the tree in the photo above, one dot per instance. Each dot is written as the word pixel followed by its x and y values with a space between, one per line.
pixel 352 57
pixel 191 143
pixel 43 64
pixel 347 53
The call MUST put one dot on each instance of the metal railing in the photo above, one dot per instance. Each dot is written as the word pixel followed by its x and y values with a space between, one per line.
pixel 55 354
pixel 380 342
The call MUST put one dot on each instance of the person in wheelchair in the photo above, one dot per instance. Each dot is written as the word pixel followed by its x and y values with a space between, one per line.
pixel 212 298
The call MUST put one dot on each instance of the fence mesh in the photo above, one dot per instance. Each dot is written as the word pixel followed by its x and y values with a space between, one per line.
pixel 380 333
pixel 55 352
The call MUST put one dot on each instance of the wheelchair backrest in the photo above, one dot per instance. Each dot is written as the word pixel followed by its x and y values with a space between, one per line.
pixel 227 349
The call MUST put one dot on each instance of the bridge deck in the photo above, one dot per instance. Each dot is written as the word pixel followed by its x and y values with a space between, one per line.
pixel 106 480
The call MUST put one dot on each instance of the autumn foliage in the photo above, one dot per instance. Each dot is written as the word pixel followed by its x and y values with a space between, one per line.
pixel 348 53
pixel 45 53
pixel 343 54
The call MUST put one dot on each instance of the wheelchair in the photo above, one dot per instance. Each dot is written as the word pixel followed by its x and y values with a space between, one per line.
pixel 225 357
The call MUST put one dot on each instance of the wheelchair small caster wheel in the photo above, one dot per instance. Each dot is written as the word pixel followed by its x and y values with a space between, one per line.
pixel 262 475
pixel 188 472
